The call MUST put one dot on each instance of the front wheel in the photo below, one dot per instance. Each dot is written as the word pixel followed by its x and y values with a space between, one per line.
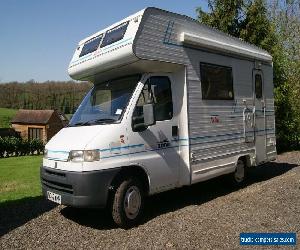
pixel 127 204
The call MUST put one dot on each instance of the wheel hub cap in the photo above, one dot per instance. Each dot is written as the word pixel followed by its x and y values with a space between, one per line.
pixel 132 202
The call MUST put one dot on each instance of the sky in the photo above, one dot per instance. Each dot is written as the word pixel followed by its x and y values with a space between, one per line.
pixel 38 38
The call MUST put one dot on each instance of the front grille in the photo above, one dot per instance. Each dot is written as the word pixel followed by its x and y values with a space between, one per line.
pixel 62 187
pixel 55 173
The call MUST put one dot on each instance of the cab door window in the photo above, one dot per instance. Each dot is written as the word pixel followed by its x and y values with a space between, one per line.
pixel 157 90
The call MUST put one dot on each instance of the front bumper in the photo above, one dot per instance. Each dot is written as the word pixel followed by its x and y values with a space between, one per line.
pixel 78 189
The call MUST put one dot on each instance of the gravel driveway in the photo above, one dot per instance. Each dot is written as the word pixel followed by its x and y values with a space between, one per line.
pixel 208 215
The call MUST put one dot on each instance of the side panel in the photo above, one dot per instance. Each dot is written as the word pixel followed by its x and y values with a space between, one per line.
pixel 217 127
pixel 158 36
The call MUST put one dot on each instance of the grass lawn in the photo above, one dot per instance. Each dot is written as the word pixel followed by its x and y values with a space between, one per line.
pixel 19 177
pixel 6 116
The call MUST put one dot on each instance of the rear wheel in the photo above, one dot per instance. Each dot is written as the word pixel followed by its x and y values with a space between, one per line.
pixel 239 174
pixel 127 204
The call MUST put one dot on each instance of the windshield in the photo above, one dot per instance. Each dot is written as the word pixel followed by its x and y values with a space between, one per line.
pixel 105 102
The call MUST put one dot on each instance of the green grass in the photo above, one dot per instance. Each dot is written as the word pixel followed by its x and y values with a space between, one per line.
pixel 6 116
pixel 19 177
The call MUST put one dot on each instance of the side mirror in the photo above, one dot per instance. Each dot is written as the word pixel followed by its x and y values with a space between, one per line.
pixel 149 116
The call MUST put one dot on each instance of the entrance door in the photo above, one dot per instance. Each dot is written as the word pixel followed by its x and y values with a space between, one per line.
pixel 160 152
pixel 259 116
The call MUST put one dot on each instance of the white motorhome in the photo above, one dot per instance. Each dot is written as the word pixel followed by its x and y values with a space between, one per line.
pixel 174 103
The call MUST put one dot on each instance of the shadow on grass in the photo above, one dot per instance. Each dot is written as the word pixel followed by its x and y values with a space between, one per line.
pixel 173 200
pixel 16 213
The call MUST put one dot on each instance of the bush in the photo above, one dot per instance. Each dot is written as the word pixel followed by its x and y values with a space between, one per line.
pixel 23 147
pixel 12 146
pixel 287 119
pixel 10 143
pixel 36 146
pixel 2 147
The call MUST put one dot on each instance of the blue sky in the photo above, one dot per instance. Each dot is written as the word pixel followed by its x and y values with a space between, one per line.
pixel 37 38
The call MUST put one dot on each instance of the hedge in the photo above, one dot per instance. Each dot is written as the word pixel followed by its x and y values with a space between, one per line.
pixel 13 146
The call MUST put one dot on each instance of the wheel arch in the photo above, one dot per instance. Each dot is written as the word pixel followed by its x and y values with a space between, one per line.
pixel 246 159
pixel 132 170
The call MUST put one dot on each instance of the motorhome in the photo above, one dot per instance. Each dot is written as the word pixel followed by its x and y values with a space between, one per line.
pixel 174 102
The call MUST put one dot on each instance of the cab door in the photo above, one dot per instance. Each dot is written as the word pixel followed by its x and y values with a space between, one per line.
pixel 259 116
pixel 156 147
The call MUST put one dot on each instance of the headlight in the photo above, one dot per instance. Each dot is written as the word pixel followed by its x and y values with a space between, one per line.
pixel 91 155
pixel 84 155
pixel 76 155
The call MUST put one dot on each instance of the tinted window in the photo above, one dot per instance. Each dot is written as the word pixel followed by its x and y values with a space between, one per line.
pixel 91 45
pixel 258 86
pixel 114 34
pixel 216 82
pixel 157 89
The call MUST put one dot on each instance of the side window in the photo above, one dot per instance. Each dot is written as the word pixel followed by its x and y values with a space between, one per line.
pixel 91 45
pixel 35 133
pixel 115 34
pixel 216 82
pixel 258 86
pixel 158 90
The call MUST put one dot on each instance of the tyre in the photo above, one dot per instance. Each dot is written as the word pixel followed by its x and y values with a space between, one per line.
pixel 127 203
pixel 239 174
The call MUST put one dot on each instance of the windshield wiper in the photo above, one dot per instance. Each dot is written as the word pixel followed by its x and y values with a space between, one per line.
pixel 91 122
pixel 79 124
pixel 101 121
pixel 96 121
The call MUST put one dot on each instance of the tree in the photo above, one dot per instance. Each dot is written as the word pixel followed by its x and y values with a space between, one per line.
pixel 47 95
pixel 286 17
pixel 225 15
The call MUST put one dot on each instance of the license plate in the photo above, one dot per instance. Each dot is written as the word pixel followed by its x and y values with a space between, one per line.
pixel 54 197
